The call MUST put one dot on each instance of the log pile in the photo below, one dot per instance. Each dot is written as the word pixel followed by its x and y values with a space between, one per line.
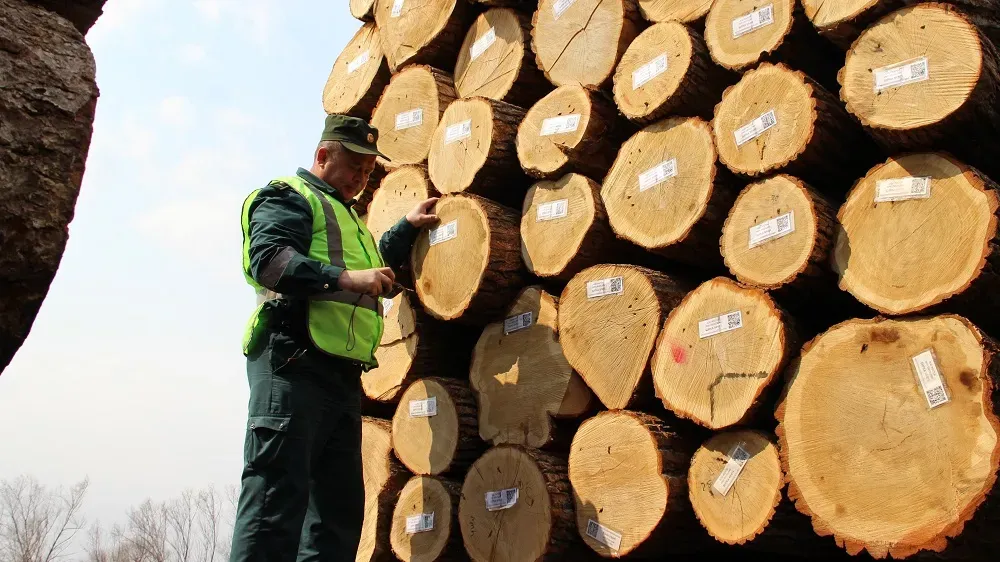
pixel 408 112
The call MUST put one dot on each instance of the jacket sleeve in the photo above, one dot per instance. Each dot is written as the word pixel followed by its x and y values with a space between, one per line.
pixel 396 243
pixel 280 234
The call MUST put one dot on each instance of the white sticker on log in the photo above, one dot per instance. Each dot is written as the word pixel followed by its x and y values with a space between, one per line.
pixel 753 21
pixel 387 305
pixel 561 6
pixel 444 232
pixel 357 63
pixel 397 8
pixel 424 408
pixel 930 378
pixel 552 210
pixel 657 174
pixel 901 74
pixel 419 523
pixel 648 71
pixel 604 535
pixel 458 131
pixel 408 119
pixel 901 189
pixel 501 499
pixel 720 324
pixel 517 323
pixel 560 125
pixel 755 128
pixel 605 287
pixel 777 227
pixel 738 458
pixel 483 43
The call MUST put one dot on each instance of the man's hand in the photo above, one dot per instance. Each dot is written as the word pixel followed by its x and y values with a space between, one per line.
pixel 421 215
pixel 372 282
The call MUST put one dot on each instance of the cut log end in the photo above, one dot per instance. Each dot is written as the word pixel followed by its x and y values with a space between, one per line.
pixel 746 508
pixel 426 501
pixel 652 70
pixel 433 444
pixel 400 191
pixel 733 39
pixel 686 11
pixel 387 381
pixel 407 112
pixel 910 475
pixel 495 61
pixel 384 477
pixel 425 32
pixel 721 347
pixel 358 75
pixel 363 10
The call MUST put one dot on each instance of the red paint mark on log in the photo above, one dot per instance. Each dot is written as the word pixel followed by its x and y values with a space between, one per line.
pixel 680 356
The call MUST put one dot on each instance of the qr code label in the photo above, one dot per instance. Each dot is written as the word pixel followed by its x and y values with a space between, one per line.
pixel 772 229
pixel 420 523
pixel 552 210
pixel 444 233
pixel 423 408
pixel 753 21
pixel 755 128
pixel 517 323
pixel 902 189
pixel 720 324
pixel 458 131
pixel 357 62
pixel 501 499
pixel 397 9
pixel 604 535
pixel 648 71
pixel 901 74
pixel 929 376
pixel 605 287
pixel 738 458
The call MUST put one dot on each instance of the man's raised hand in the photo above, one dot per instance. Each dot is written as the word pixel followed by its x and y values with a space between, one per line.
pixel 421 215
pixel 372 282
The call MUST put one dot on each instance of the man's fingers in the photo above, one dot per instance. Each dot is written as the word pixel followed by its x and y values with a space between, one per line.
pixel 427 204
pixel 387 271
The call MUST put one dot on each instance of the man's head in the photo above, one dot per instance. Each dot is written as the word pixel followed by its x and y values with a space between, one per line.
pixel 346 154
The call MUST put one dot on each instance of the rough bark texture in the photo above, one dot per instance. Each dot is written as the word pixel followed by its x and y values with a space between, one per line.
pixel 81 13
pixel 47 101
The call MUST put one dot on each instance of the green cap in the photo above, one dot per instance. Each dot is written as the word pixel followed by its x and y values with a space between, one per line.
pixel 355 134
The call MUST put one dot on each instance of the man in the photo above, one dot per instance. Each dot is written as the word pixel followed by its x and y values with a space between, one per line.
pixel 320 275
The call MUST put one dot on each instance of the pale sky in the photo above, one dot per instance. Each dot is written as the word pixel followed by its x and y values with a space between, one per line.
pixel 132 374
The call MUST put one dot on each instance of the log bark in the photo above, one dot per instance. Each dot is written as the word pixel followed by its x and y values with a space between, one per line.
pixel 522 378
pixel 526 6
pixel 409 111
pixel 364 199
pixel 609 339
pixel 842 22
pixel 564 227
pixel 667 70
pixel 427 495
pixel 721 350
pixel 47 107
pixel 480 159
pixel 855 419
pixel 425 32
pixel 809 135
pixel 953 109
pixel 444 443
pixel 540 523
pixel 384 478
pixel 358 76
pixel 496 61
pixel 473 277
pixel 685 11
pixel 665 192
pixel 363 10
pixel 572 129
pixel 583 42
pixel 907 256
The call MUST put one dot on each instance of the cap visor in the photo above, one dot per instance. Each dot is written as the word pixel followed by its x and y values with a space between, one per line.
pixel 362 150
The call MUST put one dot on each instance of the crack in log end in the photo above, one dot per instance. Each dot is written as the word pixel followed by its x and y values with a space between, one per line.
pixel 728 376
pixel 891 447
pixel 575 34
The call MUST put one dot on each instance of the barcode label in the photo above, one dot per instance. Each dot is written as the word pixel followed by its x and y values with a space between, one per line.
pixel 419 523
pixel 444 232
pixel 387 305
pixel 605 287
pixel 657 174
pixel 357 62
pixel 516 323
pixel 501 499
pixel 753 21
pixel 738 457
pixel 648 71
pixel 772 229
pixel 755 128
pixel 559 125
pixel 483 43
pixel 930 378
pixel 397 8
pixel 458 131
pixel 720 324
pixel 561 6
pixel 901 74
pixel 901 189
pixel 552 210
pixel 424 408
pixel 408 119
pixel 604 535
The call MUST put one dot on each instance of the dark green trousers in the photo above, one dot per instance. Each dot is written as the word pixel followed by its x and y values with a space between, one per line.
pixel 302 495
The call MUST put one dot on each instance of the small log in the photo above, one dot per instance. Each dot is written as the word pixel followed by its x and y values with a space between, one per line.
pixel 904 256
pixel 444 443
pixel 437 498
pixel 363 10
pixel 843 21
pixel 422 31
pixel 666 193
pixel 667 70
pixel 473 151
pixel 564 227
pixel 364 199
pixel 685 11
pixel 778 120
pixel 572 129
pixel 496 61
pixel 384 478
pixel 870 460
pixel 720 349
pixel 408 112
pixel 609 316
pixel 473 276
pixel 580 42
pixel 537 525
pixel 358 76
pixel 948 101
pixel 522 378
pixel 399 192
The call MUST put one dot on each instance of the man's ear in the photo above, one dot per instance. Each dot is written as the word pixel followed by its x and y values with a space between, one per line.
pixel 322 154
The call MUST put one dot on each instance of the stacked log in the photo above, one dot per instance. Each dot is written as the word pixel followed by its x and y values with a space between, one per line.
pixel 364 10
pixel 686 11
pixel 422 31
pixel 384 478
pixel 425 522
pixel 843 21
pixel 399 192
pixel 358 75
pixel 364 199
pixel 408 113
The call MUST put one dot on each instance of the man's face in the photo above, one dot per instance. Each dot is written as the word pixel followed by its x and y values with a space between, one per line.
pixel 344 170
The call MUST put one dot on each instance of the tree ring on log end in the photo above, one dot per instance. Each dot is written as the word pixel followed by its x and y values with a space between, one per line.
pixel 546 154
pixel 426 444
pixel 385 382
pixel 639 96
pixel 826 15
pixel 457 154
pixel 407 115
pixel 422 495
pixel 883 249
pixel 363 9
pixel 548 245
pixel 865 455
pixel 415 27
pixel 497 66
pixel 401 190
pixel 738 53
pixel 675 10
pixel 354 72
